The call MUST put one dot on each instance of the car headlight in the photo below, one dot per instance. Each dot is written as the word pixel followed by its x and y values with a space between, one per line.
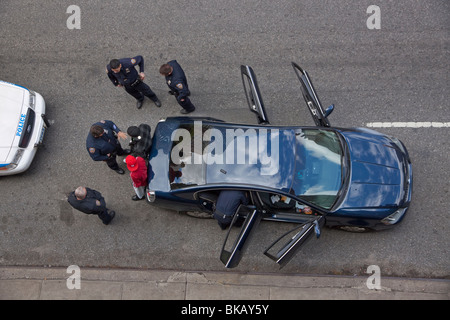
pixel 395 217
pixel 15 162
pixel 32 102
pixel 18 156
pixel 399 144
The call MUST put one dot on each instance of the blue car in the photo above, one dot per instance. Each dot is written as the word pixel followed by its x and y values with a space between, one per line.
pixel 353 179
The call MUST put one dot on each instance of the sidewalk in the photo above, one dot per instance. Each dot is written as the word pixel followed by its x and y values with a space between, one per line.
pixel 34 283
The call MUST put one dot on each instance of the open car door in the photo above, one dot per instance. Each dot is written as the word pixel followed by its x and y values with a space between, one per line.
pixel 284 248
pixel 310 96
pixel 253 94
pixel 232 252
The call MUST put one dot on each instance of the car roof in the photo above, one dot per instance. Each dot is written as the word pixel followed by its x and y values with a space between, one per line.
pixel 235 153
pixel 256 156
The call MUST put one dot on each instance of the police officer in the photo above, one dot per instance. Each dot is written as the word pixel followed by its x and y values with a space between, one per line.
pixel 90 201
pixel 227 205
pixel 122 73
pixel 177 82
pixel 103 145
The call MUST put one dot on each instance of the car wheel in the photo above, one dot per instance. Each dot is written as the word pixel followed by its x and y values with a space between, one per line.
pixel 198 214
pixel 355 229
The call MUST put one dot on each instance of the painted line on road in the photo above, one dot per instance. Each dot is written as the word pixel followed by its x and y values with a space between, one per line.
pixel 408 124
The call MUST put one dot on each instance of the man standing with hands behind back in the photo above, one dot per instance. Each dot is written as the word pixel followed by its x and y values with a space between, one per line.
pixel 122 73
pixel 177 82
pixel 90 201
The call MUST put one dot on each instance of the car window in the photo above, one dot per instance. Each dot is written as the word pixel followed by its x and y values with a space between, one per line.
pixel 318 172
pixel 187 167
pixel 280 203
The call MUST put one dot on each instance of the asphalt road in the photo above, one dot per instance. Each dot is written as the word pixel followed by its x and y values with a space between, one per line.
pixel 397 73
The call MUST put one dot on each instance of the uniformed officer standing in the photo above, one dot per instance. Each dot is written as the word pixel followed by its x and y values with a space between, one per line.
pixel 177 82
pixel 122 73
pixel 103 145
pixel 90 201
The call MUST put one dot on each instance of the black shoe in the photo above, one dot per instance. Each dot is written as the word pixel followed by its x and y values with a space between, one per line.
pixel 157 103
pixel 119 171
pixel 171 93
pixel 111 214
pixel 184 111
pixel 223 226
pixel 139 104
pixel 136 198
pixel 239 221
pixel 126 152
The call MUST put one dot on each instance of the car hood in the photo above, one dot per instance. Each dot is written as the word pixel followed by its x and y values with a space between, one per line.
pixel 376 175
pixel 11 104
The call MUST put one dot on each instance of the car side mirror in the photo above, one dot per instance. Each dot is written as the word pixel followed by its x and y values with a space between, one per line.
pixel 329 110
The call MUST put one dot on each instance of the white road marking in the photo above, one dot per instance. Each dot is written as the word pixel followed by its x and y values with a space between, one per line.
pixel 408 124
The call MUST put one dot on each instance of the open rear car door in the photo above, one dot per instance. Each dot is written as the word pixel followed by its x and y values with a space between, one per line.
pixel 253 94
pixel 232 251
pixel 284 248
pixel 311 98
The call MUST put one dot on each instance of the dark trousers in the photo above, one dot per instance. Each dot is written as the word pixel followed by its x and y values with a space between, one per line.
pixel 140 90
pixel 186 104
pixel 112 162
pixel 224 220
pixel 105 216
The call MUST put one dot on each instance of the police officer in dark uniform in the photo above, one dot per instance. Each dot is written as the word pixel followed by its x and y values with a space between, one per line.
pixel 122 73
pixel 177 82
pixel 226 206
pixel 103 145
pixel 90 201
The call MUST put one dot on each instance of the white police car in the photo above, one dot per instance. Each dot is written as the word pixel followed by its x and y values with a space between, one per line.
pixel 22 127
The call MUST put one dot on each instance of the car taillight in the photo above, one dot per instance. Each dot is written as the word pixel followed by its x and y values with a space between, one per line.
pixel 151 196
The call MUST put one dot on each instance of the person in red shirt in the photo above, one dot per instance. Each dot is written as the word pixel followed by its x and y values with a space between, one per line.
pixel 138 174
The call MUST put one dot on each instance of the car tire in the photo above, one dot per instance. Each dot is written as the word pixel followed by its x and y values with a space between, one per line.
pixel 197 214
pixel 353 229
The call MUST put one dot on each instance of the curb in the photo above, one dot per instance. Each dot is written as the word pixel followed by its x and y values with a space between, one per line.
pixel 39 283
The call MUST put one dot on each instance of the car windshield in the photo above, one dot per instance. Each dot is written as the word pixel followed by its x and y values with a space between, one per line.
pixel 318 172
